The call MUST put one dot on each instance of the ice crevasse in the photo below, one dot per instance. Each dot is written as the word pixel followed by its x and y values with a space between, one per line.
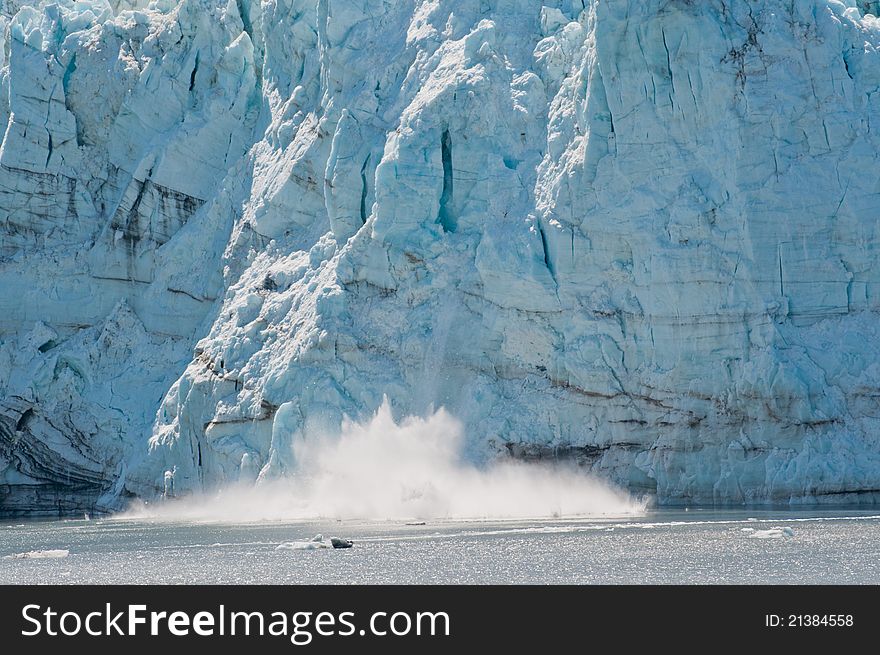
pixel 637 235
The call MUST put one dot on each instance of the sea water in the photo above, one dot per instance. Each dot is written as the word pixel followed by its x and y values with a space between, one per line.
pixel 663 546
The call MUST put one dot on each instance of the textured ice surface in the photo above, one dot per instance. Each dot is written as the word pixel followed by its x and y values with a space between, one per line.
pixel 636 234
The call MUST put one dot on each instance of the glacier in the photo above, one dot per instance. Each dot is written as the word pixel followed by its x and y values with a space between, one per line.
pixel 639 236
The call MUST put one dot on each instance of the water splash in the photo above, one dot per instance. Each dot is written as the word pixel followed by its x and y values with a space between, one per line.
pixel 412 469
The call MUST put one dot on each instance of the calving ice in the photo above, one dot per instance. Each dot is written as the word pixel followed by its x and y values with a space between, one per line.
pixel 635 236
pixel 385 469
pixel 300 627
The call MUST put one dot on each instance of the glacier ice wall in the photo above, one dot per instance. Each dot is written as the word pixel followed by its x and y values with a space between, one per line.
pixel 117 169
pixel 640 235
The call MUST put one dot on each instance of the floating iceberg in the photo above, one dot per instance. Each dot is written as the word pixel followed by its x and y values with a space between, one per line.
pixel 316 543
pixel 772 533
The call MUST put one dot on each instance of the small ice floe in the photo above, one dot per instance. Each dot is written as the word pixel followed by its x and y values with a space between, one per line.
pixel 302 545
pixel 772 533
pixel 317 542
pixel 747 529
pixel 40 554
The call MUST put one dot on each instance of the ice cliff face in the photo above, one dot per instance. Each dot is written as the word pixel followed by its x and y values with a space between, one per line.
pixel 120 132
pixel 641 235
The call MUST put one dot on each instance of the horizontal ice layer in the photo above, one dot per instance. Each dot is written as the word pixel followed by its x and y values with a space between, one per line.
pixel 636 235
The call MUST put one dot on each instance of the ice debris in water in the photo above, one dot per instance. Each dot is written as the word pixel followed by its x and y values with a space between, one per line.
pixel 317 542
pixel 40 554
pixel 303 545
pixel 772 533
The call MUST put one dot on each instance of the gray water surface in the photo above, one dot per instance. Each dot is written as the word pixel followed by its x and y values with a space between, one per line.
pixel 665 546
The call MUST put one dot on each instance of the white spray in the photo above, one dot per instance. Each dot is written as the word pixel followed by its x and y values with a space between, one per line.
pixel 382 469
